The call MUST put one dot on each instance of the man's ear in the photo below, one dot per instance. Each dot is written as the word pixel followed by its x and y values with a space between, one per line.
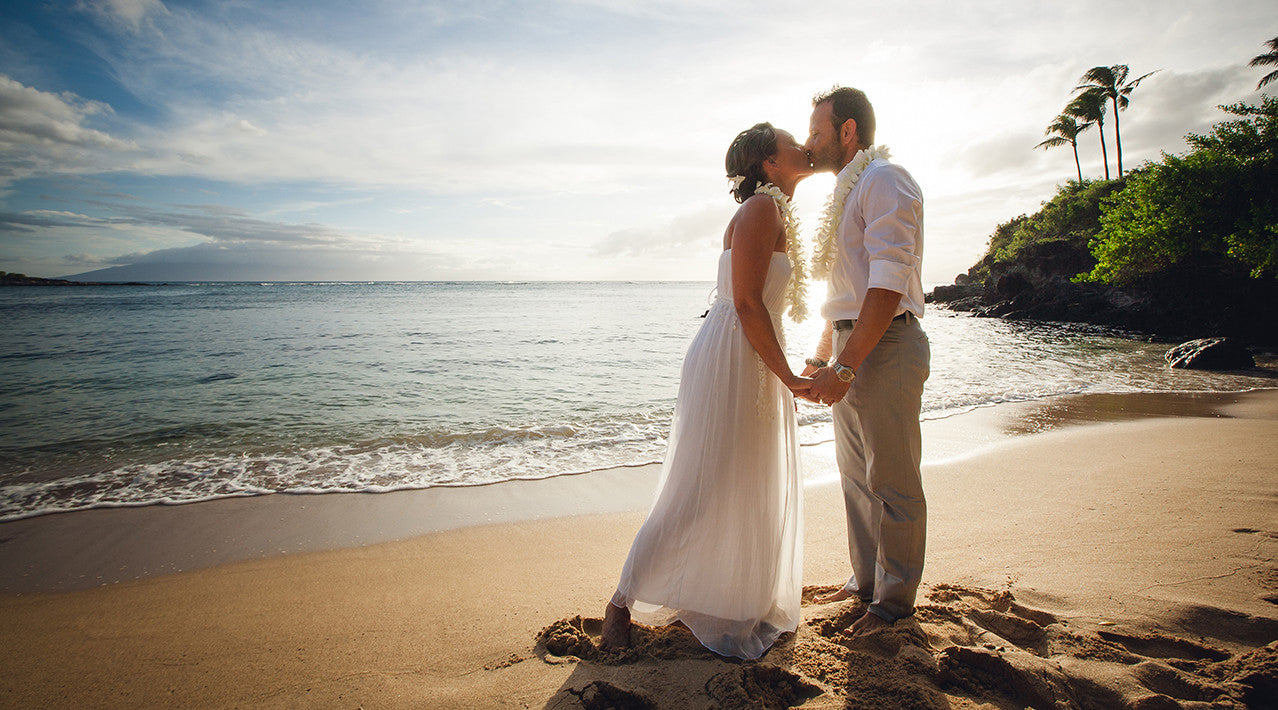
pixel 847 132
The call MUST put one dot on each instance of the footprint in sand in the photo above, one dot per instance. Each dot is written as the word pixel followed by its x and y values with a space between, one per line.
pixel 965 647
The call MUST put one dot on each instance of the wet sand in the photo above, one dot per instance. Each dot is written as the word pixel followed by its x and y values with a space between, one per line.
pixel 1123 555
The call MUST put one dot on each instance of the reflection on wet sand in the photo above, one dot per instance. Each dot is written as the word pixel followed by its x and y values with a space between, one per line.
pixel 1071 410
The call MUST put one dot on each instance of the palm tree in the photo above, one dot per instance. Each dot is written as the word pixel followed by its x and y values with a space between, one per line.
pixel 1066 130
pixel 1267 59
pixel 1112 83
pixel 1090 107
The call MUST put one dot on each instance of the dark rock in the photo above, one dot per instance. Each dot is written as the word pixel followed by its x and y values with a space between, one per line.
pixel 10 279
pixel 1202 295
pixel 970 303
pixel 1211 354
pixel 1012 284
pixel 948 294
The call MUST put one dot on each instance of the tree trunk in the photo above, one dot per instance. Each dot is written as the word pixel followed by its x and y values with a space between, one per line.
pixel 1077 165
pixel 1118 140
pixel 1100 130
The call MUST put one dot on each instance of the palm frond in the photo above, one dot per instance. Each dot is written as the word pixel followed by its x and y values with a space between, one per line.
pixel 1122 99
pixel 1054 142
pixel 1268 57
pixel 1267 60
pixel 1088 106
pixel 1066 126
pixel 1098 77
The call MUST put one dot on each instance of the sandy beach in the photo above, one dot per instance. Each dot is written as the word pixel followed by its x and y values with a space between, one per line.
pixel 1102 551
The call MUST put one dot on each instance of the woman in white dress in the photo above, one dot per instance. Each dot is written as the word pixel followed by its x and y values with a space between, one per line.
pixel 721 549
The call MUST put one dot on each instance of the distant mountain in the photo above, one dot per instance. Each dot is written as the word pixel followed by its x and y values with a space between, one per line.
pixel 149 273
pixel 162 272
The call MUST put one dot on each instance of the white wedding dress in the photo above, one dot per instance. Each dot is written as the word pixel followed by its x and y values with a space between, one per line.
pixel 721 549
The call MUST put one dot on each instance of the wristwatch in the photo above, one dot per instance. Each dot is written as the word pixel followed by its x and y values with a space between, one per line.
pixel 843 372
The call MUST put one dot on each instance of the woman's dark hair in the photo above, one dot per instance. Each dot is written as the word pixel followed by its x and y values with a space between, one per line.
pixel 850 103
pixel 746 155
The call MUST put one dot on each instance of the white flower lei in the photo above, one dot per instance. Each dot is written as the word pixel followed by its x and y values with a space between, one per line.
pixel 796 292
pixel 828 230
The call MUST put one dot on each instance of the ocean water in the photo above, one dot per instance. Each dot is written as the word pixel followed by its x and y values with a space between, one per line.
pixel 137 395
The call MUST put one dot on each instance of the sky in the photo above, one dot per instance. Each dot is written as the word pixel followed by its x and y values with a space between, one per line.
pixel 536 140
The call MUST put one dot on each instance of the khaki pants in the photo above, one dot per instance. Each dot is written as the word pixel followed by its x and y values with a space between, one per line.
pixel 878 447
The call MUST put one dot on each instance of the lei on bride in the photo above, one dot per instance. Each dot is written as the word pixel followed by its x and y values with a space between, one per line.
pixel 796 292
pixel 828 230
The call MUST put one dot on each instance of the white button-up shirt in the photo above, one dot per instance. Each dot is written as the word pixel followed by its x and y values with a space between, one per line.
pixel 880 243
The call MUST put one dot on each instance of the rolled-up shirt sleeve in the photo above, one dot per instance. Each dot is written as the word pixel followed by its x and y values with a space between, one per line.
pixel 892 206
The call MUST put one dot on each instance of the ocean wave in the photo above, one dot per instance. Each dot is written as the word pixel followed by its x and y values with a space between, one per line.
pixel 422 461
pixel 425 460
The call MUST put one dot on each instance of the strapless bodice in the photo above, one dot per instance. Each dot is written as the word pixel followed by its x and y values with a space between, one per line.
pixel 773 285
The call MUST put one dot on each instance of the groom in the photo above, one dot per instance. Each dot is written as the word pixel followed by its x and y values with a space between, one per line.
pixel 880 356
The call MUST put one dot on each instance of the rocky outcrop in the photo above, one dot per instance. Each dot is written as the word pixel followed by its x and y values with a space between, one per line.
pixel 8 279
pixel 1178 303
pixel 1211 354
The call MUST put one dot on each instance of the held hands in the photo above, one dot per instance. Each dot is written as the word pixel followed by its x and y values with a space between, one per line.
pixel 826 387
pixel 799 386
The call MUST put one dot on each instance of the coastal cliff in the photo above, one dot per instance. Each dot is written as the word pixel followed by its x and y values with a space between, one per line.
pixel 1184 248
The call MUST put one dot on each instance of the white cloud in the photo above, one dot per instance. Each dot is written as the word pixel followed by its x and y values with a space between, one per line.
pixel 694 233
pixel 1171 104
pixel 1005 152
pixel 524 128
pixel 42 132
pixel 132 15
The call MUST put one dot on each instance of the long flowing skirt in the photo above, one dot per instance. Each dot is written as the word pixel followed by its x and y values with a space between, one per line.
pixel 721 549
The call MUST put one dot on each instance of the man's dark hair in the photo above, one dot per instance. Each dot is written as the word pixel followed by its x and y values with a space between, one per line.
pixel 850 103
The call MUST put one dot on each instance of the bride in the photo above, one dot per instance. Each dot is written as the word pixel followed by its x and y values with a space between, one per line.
pixel 721 550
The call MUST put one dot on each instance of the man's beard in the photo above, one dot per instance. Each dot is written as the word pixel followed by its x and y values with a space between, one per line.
pixel 826 161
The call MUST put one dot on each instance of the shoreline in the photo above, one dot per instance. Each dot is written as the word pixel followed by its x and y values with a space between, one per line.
pixel 1123 564
pixel 83 549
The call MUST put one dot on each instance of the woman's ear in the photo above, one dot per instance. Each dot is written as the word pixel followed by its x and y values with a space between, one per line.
pixel 769 169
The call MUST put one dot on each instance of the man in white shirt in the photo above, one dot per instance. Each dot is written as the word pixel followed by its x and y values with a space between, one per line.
pixel 880 357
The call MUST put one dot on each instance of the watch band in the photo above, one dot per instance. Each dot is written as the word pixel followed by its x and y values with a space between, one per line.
pixel 843 372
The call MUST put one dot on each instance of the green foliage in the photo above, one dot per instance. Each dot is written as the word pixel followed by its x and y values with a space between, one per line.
pixel 1072 217
pixel 1217 203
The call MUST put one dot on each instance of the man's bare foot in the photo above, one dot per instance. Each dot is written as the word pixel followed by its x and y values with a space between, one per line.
pixel 616 628
pixel 833 597
pixel 868 624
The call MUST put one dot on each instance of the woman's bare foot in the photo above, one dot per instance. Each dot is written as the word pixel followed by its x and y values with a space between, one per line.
pixel 833 597
pixel 616 628
pixel 868 624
